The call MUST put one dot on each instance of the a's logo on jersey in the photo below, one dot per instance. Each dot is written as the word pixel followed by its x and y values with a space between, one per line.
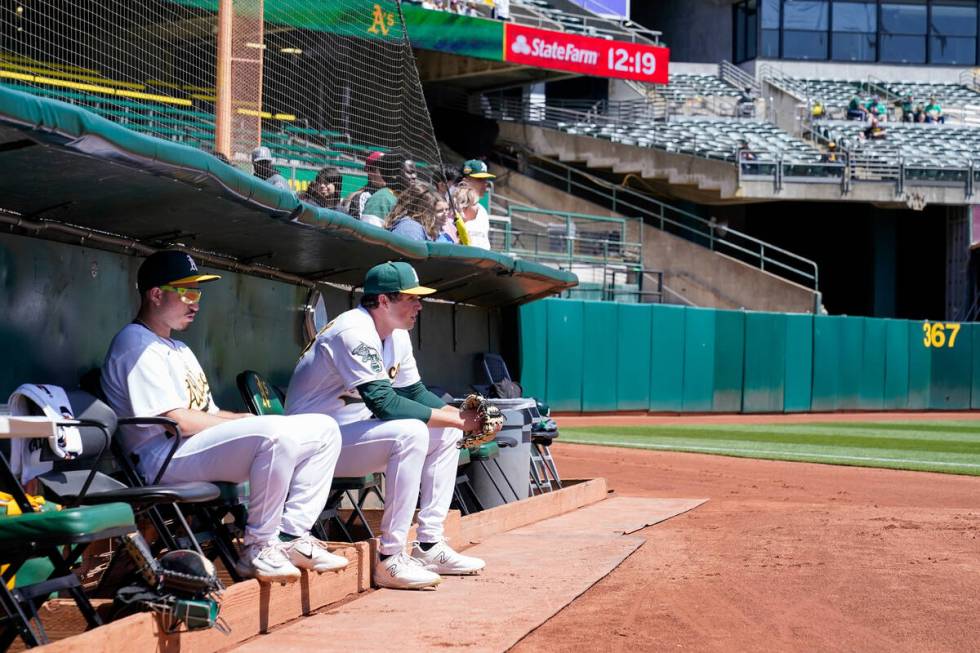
pixel 198 392
pixel 393 371
pixel 369 356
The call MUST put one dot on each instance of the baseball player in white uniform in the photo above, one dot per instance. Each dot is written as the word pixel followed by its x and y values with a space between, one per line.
pixel 288 461
pixel 360 370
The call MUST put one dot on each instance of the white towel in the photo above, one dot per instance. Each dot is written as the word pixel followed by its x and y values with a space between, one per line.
pixel 25 455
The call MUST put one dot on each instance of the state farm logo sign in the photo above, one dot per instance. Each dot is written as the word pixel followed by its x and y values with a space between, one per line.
pixel 586 55
pixel 554 50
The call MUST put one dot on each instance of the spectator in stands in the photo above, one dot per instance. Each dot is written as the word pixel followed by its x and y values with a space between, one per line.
pixel 856 110
pixel 324 190
pixel 444 188
pixel 477 177
pixel 289 461
pixel 398 174
pixel 466 201
pixel 830 156
pixel 934 111
pixel 745 154
pixel 415 215
pixel 354 204
pixel 818 111
pixel 263 168
pixel 501 10
pixel 876 108
pixel 919 115
pixel 874 131
pixel 906 106
pixel 745 107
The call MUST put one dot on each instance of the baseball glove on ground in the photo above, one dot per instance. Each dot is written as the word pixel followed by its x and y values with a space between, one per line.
pixel 489 417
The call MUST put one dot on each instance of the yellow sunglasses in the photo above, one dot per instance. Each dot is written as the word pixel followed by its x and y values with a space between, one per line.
pixel 187 295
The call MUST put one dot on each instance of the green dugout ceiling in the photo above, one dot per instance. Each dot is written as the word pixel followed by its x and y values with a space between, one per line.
pixel 593 356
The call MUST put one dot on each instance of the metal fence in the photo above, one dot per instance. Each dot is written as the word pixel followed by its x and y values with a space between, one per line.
pixel 709 233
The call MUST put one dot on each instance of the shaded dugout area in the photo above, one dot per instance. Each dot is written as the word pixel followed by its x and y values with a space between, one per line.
pixel 683 359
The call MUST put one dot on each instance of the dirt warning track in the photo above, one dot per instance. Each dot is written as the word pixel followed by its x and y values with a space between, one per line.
pixel 783 556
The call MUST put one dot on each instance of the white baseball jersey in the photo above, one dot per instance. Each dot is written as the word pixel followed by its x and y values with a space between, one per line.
pixel 348 353
pixel 145 375
pixel 478 229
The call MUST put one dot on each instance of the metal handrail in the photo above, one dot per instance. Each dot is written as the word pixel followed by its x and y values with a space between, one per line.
pixel 739 78
pixel 652 211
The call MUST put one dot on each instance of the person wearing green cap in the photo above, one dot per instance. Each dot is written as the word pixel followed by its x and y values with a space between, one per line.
pixel 477 177
pixel 361 371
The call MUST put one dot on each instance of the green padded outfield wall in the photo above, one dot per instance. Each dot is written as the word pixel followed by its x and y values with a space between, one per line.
pixel 595 356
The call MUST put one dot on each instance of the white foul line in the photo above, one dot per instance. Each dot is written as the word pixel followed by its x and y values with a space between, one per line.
pixel 682 448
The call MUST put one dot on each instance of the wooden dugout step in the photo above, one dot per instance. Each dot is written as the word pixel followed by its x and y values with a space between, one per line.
pixel 250 608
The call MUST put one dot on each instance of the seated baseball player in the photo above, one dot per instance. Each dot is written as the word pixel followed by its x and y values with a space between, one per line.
pixel 360 370
pixel 288 461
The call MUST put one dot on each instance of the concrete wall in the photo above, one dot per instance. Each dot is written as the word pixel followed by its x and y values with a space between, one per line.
pixel 710 279
pixel 860 71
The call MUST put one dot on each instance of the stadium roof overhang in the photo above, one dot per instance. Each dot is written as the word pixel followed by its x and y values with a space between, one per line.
pixel 60 164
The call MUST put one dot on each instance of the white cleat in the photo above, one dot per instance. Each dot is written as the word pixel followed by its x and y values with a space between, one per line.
pixel 403 572
pixel 309 553
pixel 267 563
pixel 443 560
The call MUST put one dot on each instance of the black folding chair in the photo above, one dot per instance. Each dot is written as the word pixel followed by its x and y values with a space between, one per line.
pixel 208 503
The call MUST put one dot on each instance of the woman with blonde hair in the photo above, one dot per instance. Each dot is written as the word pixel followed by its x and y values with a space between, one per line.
pixel 466 200
pixel 416 214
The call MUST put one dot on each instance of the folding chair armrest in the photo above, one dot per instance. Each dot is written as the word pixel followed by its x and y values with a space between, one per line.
pixel 162 421
pixel 106 437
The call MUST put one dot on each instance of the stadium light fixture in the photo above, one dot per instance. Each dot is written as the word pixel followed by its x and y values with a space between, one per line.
pixel 291 51
pixel 256 46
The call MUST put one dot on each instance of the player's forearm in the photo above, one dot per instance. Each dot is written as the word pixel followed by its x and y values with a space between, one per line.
pixel 419 393
pixel 385 404
pixel 192 421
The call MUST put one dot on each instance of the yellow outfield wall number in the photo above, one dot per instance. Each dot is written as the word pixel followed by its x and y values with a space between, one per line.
pixel 940 334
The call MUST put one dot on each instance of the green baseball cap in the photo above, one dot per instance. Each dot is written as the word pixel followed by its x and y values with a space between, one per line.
pixel 477 169
pixel 394 277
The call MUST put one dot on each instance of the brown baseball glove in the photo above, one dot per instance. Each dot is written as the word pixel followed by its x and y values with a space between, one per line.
pixel 489 417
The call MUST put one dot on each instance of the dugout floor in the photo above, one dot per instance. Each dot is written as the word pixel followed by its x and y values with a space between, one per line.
pixel 532 573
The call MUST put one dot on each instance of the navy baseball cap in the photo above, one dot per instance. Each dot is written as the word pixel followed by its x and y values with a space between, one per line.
pixel 169 267
pixel 394 277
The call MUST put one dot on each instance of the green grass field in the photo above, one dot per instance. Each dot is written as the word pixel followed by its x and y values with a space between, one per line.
pixel 952 447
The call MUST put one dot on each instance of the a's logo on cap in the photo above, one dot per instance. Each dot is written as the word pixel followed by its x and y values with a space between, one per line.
pixel 415 276
pixel 191 262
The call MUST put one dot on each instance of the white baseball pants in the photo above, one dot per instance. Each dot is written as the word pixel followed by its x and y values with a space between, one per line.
pixel 419 464
pixel 288 462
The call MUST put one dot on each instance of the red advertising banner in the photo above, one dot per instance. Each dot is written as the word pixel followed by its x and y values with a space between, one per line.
pixel 585 55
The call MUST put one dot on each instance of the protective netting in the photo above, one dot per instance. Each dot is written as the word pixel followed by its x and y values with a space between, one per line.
pixel 319 82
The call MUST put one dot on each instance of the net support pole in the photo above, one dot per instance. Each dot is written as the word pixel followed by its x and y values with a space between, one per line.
pixel 222 108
